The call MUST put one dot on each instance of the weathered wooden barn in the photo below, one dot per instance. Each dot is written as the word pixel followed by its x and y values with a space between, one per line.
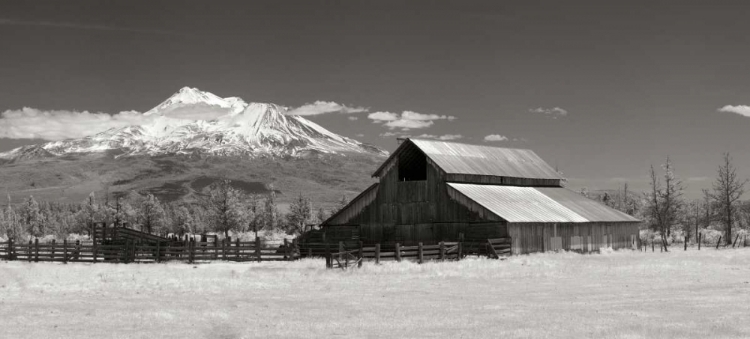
pixel 431 191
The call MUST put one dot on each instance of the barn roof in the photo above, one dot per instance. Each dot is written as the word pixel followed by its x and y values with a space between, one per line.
pixel 538 204
pixel 457 158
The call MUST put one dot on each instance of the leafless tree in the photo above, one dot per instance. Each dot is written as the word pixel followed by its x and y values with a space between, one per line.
pixel 727 190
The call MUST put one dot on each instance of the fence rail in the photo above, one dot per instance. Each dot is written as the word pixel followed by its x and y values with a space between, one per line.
pixel 348 257
pixel 190 251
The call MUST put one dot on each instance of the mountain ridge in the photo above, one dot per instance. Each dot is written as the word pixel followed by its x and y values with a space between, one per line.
pixel 198 122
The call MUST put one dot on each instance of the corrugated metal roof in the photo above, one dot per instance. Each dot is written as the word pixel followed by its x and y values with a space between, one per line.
pixel 587 208
pixel 485 160
pixel 539 204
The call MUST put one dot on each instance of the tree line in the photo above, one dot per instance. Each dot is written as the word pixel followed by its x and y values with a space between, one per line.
pixel 221 209
pixel 665 209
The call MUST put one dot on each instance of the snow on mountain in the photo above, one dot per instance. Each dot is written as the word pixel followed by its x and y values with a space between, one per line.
pixel 193 121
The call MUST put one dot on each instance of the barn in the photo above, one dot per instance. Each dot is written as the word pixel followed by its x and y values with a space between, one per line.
pixel 430 191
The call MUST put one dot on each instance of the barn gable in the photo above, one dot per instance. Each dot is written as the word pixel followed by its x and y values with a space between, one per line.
pixel 475 163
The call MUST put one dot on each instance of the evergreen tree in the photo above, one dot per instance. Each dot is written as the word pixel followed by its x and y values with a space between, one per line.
pixel 31 218
pixel 151 215
pixel 300 213
pixel 270 212
pixel 223 207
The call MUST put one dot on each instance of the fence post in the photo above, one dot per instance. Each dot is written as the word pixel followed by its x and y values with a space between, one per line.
pixel 257 248
pixel 286 249
pixel 52 250
pixel 237 248
pixel 341 249
pixel 94 249
pixel 652 245
pixel 361 254
pixel 65 251
pixel 192 250
pixel 329 262
pixel 735 240
pixel 36 250
pixel 700 235
pixel 420 251
pixel 718 242
pixel 686 240
pixel 224 248
pixel 398 252
pixel 377 253
pixel 78 250
pixel 10 248
pixel 460 251
pixel 158 251
pixel 442 251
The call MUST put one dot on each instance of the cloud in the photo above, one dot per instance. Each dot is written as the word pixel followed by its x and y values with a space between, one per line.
pixel 450 137
pixel 495 137
pixel 382 116
pixel 31 123
pixel 353 118
pixel 359 135
pixel 324 107
pixel 407 120
pixel 441 137
pixel 554 113
pixel 739 109
pixel 389 134
pixel 406 125
pixel 409 115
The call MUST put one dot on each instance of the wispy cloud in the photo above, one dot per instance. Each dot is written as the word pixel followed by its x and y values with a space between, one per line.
pixel 353 118
pixel 495 137
pixel 31 123
pixel 407 120
pixel 553 113
pixel 324 107
pixel 743 110
pixel 445 137
pixel 73 25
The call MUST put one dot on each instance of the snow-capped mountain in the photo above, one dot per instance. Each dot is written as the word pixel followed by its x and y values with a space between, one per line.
pixel 193 121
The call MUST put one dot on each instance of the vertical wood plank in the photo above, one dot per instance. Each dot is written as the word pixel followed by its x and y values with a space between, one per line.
pixel 398 252
pixel 420 253
pixel 257 249
pixel 36 250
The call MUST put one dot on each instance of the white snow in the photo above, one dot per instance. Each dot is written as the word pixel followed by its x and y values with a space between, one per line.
pixel 192 119
pixel 625 294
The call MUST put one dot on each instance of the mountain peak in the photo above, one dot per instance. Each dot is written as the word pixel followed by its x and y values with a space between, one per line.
pixel 193 121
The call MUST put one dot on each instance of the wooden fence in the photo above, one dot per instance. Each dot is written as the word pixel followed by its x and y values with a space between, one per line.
pixel 345 258
pixel 190 251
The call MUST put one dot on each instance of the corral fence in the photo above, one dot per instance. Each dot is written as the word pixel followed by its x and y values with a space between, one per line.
pixel 739 241
pixel 190 251
pixel 344 257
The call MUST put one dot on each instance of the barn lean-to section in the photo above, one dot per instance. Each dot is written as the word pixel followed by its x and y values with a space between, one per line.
pixel 431 191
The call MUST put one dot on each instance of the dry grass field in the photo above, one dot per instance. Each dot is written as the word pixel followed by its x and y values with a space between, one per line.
pixel 624 294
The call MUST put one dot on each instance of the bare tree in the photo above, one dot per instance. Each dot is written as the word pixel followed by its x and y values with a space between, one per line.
pixel 665 203
pixel 655 209
pixel 727 190
pixel 673 191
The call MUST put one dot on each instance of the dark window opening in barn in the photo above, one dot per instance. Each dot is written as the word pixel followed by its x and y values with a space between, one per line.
pixel 412 166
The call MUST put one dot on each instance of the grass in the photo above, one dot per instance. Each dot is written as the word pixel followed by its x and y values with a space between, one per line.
pixel 626 294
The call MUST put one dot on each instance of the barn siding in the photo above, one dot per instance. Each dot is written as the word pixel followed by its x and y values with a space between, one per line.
pixel 538 237
pixel 410 210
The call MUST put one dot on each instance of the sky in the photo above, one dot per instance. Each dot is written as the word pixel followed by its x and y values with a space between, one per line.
pixel 601 90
